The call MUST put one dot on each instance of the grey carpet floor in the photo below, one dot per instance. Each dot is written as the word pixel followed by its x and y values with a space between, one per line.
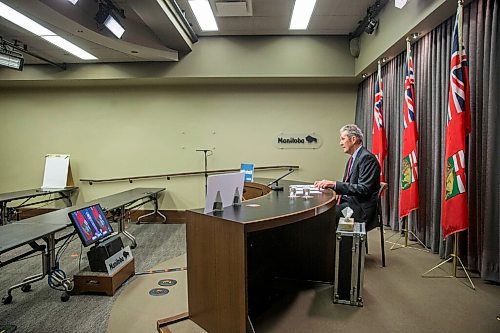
pixel 397 298
pixel 41 310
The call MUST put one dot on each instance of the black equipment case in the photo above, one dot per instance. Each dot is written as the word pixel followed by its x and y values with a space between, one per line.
pixel 349 265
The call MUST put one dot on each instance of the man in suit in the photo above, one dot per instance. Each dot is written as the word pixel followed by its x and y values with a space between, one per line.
pixel 359 188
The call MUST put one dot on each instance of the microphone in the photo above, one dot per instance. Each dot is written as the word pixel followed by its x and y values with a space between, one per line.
pixel 276 187
pixel 205 153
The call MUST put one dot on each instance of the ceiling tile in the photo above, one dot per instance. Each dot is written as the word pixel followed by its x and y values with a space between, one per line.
pixel 273 7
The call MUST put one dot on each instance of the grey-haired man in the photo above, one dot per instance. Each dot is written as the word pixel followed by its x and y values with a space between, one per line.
pixel 359 188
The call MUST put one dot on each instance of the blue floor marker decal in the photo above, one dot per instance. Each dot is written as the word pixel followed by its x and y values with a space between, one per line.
pixel 167 282
pixel 158 291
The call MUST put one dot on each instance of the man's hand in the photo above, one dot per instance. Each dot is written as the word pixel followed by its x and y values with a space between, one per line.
pixel 325 184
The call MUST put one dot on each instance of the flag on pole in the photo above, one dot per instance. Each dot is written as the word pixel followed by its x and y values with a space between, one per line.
pixel 379 141
pixel 455 214
pixel 408 198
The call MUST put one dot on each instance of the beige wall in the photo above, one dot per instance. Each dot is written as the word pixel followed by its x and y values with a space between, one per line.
pixel 217 57
pixel 140 130
pixel 231 94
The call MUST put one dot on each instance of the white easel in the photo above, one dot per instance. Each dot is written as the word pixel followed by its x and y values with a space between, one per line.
pixel 57 172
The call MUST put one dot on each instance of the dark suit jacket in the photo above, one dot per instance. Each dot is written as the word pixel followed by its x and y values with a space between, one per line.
pixel 360 191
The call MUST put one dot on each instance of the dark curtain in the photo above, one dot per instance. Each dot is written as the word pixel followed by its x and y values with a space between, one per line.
pixel 479 245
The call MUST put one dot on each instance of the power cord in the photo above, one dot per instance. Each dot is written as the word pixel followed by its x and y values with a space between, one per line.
pixel 57 279
pixel 80 258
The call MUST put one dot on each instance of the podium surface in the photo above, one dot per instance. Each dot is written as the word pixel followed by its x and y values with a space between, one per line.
pixel 233 254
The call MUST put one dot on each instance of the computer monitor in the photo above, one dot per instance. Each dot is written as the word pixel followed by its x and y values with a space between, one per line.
pixel 90 224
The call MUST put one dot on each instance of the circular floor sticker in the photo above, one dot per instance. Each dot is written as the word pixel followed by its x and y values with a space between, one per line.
pixel 167 282
pixel 158 291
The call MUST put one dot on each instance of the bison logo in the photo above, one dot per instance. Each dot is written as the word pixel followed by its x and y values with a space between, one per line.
pixel 311 139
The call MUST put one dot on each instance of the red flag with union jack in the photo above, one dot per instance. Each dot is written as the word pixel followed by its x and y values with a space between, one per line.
pixel 455 214
pixel 408 198
pixel 379 141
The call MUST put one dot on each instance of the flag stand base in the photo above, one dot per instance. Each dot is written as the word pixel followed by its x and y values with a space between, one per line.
pixel 455 258
pixel 396 245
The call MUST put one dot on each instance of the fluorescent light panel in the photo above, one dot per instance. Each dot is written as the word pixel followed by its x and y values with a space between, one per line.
pixel 114 26
pixel 302 11
pixel 36 29
pixel 400 3
pixel 204 15
pixel 68 46
pixel 24 22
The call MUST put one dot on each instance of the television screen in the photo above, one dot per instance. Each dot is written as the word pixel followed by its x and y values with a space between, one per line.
pixel 90 224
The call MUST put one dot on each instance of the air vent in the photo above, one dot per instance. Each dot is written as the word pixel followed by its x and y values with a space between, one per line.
pixel 233 8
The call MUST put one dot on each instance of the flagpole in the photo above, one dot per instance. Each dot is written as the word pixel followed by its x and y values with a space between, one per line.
pixel 454 255
pixel 454 216
pixel 405 224
pixel 455 261
pixel 460 21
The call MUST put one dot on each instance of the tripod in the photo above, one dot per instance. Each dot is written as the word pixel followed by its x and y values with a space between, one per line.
pixel 455 259
pixel 205 151
pixel 406 231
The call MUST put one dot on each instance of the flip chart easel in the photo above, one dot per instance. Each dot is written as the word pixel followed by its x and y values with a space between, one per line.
pixel 57 172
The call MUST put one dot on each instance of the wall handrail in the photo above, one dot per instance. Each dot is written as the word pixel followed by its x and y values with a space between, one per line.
pixel 182 174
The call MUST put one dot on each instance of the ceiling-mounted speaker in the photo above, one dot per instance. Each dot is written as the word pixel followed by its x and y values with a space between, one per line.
pixel 354 47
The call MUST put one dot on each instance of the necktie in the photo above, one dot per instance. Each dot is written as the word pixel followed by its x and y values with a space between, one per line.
pixel 347 175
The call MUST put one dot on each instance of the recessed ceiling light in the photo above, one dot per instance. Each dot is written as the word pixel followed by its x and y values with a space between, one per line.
pixel 400 3
pixel 26 23
pixel 384 59
pixel 204 15
pixel 302 11
pixel 364 76
pixel 70 47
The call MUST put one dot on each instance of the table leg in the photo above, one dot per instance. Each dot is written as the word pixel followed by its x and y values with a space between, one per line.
pixel 4 214
pixel 154 198
pixel 121 227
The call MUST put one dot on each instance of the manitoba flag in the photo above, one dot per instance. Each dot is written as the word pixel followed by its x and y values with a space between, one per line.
pixel 408 198
pixel 409 172
pixel 455 213
pixel 379 141
pixel 455 175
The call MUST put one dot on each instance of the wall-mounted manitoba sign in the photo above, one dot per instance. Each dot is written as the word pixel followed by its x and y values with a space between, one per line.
pixel 300 141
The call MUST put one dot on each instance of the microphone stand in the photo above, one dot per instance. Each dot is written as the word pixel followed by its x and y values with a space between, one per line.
pixel 277 187
pixel 205 151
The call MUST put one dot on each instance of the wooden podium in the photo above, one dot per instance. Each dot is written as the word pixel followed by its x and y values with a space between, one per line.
pixel 231 253
pixel 87 281
pixel 254 190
